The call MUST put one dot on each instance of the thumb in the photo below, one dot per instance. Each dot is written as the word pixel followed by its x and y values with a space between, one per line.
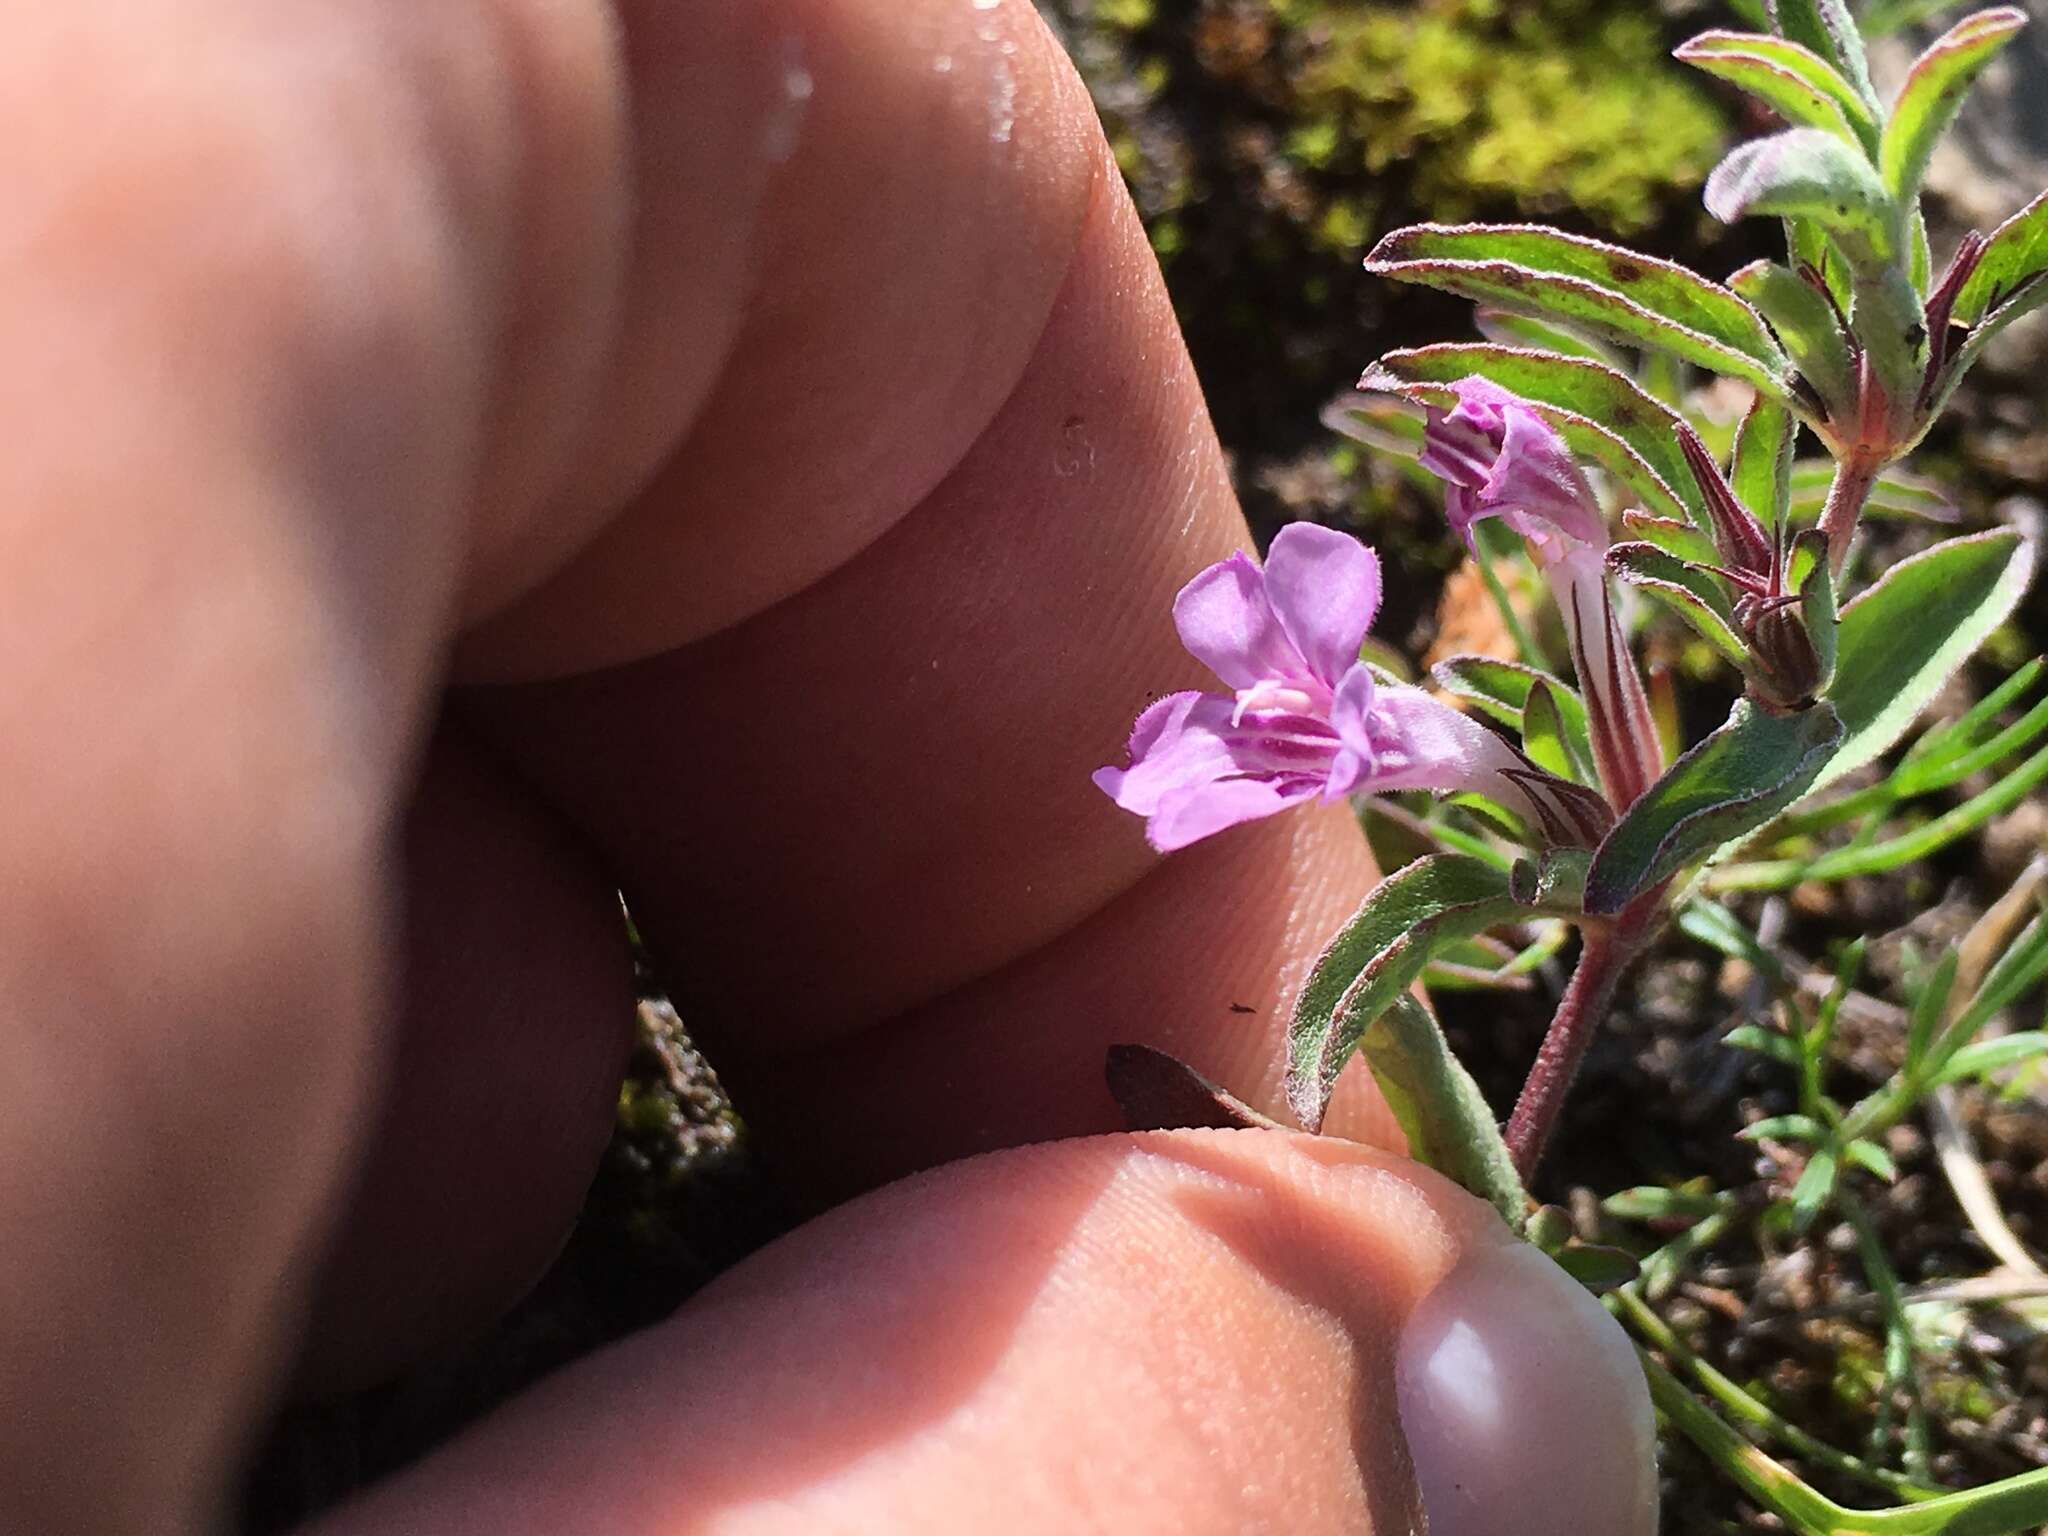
pixel 1191 1332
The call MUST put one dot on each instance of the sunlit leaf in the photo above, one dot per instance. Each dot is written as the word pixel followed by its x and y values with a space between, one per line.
pixel 1440 1110
pixel 1619 294
pixel 1727 786
pixel 1806 173
pixel 1934 91
pixel 1801 85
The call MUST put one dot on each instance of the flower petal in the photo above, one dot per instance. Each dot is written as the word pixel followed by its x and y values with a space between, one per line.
pixel 1227 624
pixel 1175 744
pixel 1359 733
pixel 1189 815
pixel 1537 475
pixel 1324 587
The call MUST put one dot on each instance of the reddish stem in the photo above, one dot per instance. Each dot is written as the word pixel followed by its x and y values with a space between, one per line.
pixel 1854 477
pixel 1585 1002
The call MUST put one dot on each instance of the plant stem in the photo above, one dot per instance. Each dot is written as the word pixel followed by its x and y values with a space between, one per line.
pixel 1734 1400
pixel 1854 477
pixel 1579 1012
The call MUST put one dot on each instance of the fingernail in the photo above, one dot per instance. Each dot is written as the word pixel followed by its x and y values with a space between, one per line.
pixel 1523 1404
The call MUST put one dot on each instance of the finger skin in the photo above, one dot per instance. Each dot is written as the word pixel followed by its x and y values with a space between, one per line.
pixel 502 1085
pixel 1192 1332
pixel 256 260
pixel 859 827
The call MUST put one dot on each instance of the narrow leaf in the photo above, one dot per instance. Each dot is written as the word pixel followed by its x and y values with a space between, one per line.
pixel 1896 494
pixel 1872 1159
pixel 2017 252
pixel 1988 1056
pixel 1596 1266
pixel 1501 688
pixel 1386 945
pixel 1934 90
pixel 1828 29
pixel 1902 639
pixel 1445 891
pixel 1727 786
pixel 1601 414
pixel 1816 1184
pixel 1688 591
pixel 1808 174
pixel 1548 741
pixel 1513 330
pixel 1801 85
pixel 1383 422
pixel 1439 1108
pixel 1761 473
pixel 1619 294
pixel 1784 1128
pixel 1763 1042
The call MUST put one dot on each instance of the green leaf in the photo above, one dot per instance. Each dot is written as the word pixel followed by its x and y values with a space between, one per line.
pixel 1872 1159
pixel 2016 253
pixel 1596 1266
pixel 2016 972
pixel 1902 639
pixel 2025 299
pixel 1601 414
pixel 1691 593
pixel 1816 1184
pixel 1439 1108
pixel 1807 326
pixel 1501 688
pixel 1618 294
pixel 1988 1056
pixel 1826 28
pixel 1784 1128
pixel 1801 85
pixel 1727 786
pixel 1548 738
pixel 1930 1003
pixel 1386 944
pixel 1896 494
pixel 1653 1202
pixel 1934 91
pixel 1384 422
pixel 1761 473
pixel 1512 330
pixel 1763 1042
pixel 1817 606
pixel 1808 174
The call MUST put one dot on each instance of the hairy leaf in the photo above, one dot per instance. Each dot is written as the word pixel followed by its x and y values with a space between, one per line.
pixel 1896 494
pixel 1620 294
pixel 1805 322
pixel 1828 29
pixel 1501 688
pixel 1385 422
pixel 2016 253
pixel 1934 90
pixel 1439 1108
pixel 1379 953
pixel 1902 639
pixel 1806 173
pixel 1602 414
pixel 1727 786
pixel 1513 330
pixel 1690 592
pixel 1799 83
pixel 1761 473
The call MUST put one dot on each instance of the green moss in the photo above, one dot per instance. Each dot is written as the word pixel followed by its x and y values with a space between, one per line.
pixel 1563 103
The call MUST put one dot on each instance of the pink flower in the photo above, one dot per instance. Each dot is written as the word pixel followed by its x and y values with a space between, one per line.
pixel 1498 458
pixel 1305 719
